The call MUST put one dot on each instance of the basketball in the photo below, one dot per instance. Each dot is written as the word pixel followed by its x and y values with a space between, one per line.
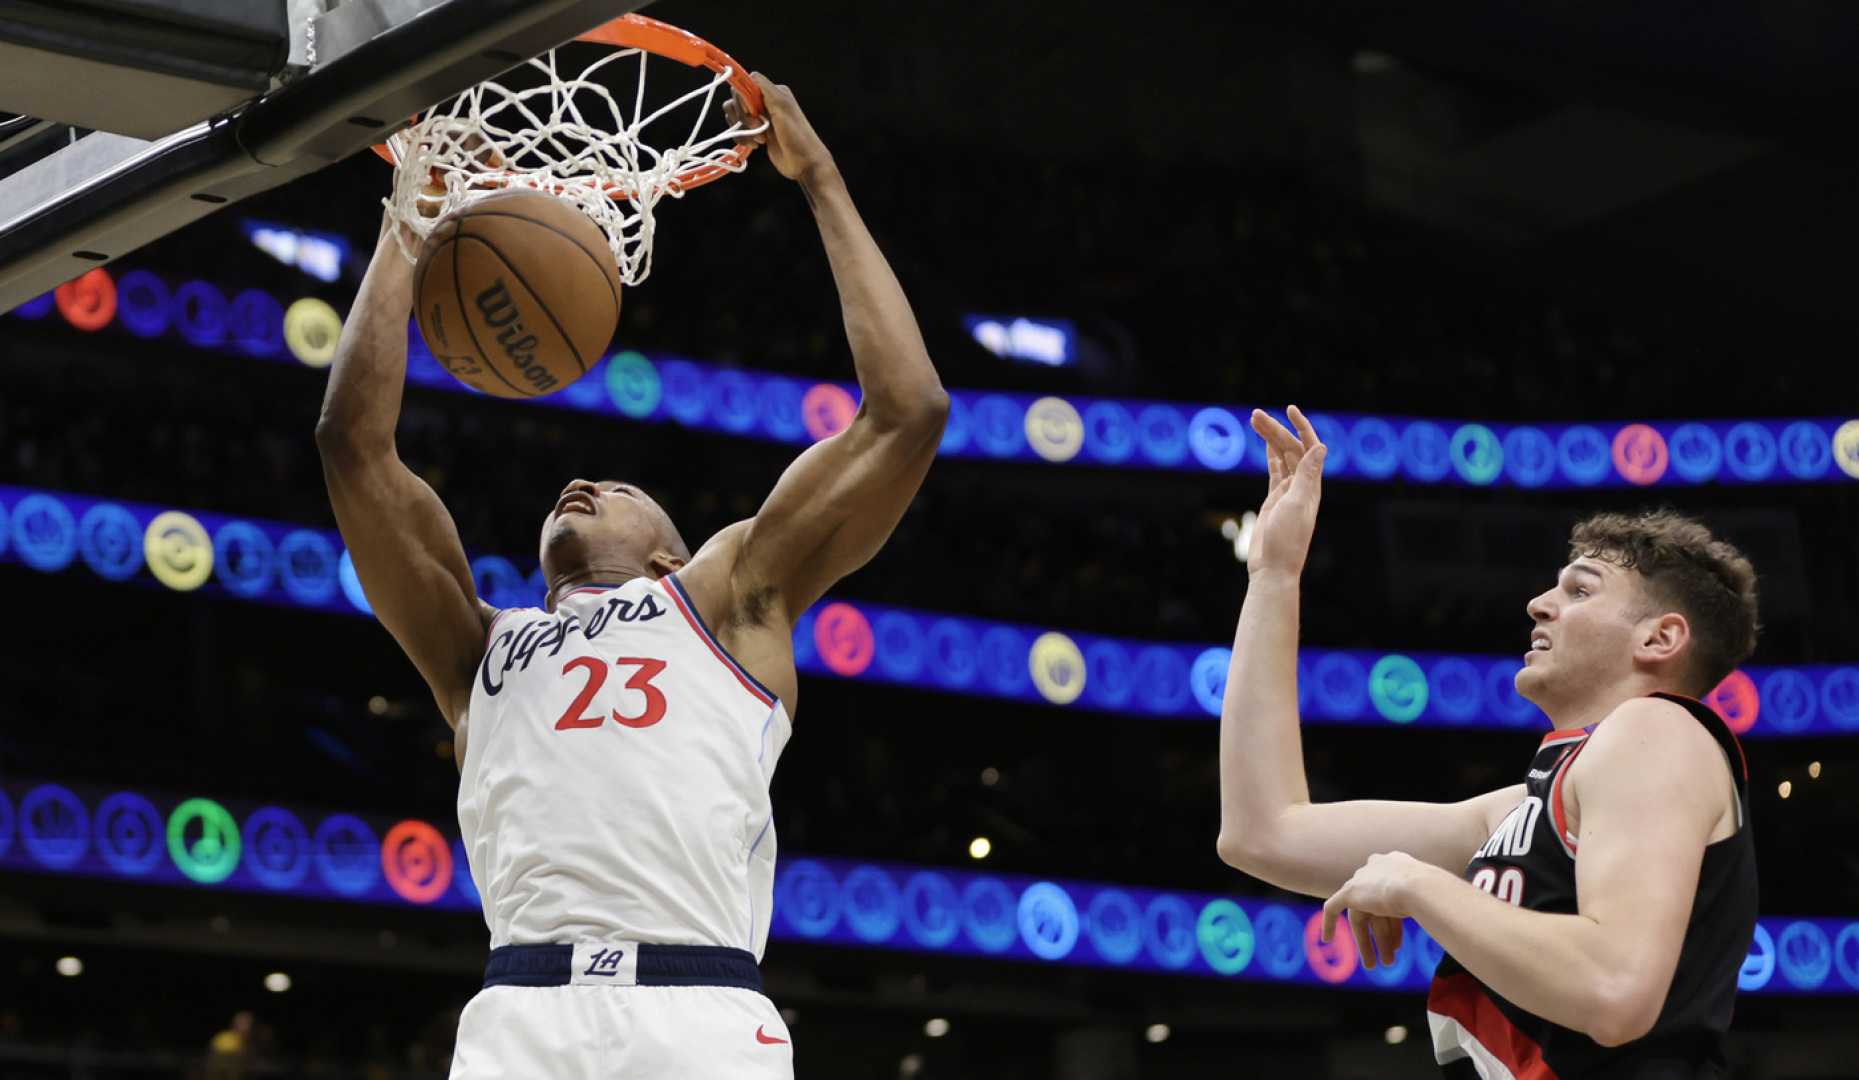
pixel 517 293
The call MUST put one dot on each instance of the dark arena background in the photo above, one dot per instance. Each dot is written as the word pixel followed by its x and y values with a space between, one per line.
pixel 1524 263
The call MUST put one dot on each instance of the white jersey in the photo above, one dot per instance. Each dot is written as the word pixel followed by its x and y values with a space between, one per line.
pixel 615 782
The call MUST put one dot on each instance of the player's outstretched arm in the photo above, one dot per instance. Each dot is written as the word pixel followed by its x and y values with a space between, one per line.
pixel 839 501
pixel 1269 828
pixel 403 542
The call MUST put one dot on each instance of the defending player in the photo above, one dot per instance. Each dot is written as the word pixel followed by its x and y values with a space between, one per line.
pixel 1594 917
pixel 616 745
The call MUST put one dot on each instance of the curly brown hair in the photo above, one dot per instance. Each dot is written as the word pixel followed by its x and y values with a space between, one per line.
pixel 1684 568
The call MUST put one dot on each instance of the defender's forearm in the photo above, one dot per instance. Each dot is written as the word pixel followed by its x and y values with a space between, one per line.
pixel 894 369
pixel 1261 750
pixel 362 403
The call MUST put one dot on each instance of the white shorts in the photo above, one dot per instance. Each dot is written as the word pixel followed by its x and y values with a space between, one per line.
pixel 612 1032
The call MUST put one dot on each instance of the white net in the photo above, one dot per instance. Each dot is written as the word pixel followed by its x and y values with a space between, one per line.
pixel 568 136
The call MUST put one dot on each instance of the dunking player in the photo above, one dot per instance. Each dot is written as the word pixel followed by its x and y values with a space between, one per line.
pixel 1595 915
pixel 617 743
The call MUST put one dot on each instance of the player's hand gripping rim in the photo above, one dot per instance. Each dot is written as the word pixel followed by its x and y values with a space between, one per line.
pixel 1294 487
pixel 793 147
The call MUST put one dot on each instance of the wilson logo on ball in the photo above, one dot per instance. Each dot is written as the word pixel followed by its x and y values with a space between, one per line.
pixel 517 343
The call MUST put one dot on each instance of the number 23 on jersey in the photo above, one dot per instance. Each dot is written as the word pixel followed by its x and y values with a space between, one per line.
pixel 644 670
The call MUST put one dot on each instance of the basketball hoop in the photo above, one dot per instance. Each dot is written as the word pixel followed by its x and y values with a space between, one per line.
pixel 492 138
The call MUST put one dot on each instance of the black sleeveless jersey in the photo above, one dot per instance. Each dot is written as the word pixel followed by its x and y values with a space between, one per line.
pixel 1530 861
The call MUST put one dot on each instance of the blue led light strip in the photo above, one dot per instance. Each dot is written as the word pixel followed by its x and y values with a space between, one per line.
pixel 200 842
pixel 1097 432
pixel 308 567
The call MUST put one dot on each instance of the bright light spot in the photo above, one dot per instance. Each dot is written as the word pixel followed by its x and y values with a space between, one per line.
pixel 979 847
pixel 911 1065
pixel 277 982
pixel 1240 532
pixel 1813 770
pixel 1048 343
pixel 377 705
pixel 936 1028
pixel 1156 1033
pixel 1396 1035
pixel 990 776
pixel 70 967
pixel 1786 789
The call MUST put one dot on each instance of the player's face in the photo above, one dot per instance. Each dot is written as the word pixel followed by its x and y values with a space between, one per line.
pixel 600 525
pixel 1585 632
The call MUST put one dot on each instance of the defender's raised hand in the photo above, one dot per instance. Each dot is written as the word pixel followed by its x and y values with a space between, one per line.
pixel 1288 517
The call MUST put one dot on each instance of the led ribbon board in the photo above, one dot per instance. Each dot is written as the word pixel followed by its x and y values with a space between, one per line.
pixel 150 838
pixel 307 567
pixel 985 425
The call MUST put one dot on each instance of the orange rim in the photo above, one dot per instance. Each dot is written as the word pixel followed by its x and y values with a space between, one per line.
pixel 668 41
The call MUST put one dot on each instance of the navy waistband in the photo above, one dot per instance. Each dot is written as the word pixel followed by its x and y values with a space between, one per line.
pixel 659 965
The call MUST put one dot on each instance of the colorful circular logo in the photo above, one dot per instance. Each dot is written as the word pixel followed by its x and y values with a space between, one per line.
pixel 179 553
pixel 1162 674
pixel 1805 450
pixel 242 557
pixel 1110 433
pixel 1805 955
pixel 307 565
pixel 1048 921
pixel 1108 677
pixel 1696 453
pixel 1454 689
pixel 499 582
pixel 256 322
pixel 209 852
pixel 88 302
pixel 351 584
pixel 844 639
pixel 632 384
pixel 1735 699
pixel 1341 689
pixel 1224 934
pixel 1789 700
pixel 200 314
pixel 1375 448
pixel 681 385
pixel 1750 451
pixel 1846 448
pixel 1640 454
pixel 1168 932
pixel 128 833
pixel 311 330
pixel 416 861
pixel 1334 436
pixel 1426 452
pixel 998 425
pixel 1398 688
pixel 1529 457
pixel 1217 439
pixel 1207 678
pixel 932 909
pixel 1395 971
pixel 778 405
pixel 1005 658
pixel 277 849
pixel 1846 954
pixel 1054 429
pixel 1584 455
pixel 826 410
pixel 142 303
pixel 899 644
pixel 1057 667
pixel 346 853
pixel 1334 960
pixel 109 538
pixel 54 827
pixel 954 662
pixel 1280 941
pixel 732 401
pixel 1477 456
pixel 44 533
pixel 872 903
pixel 1113 924
pixel 1162 433
pixel 989 913
pixel 1839 696
pixel 1759 966
pixel 955 428
pixel 1501 695
pixel 809 898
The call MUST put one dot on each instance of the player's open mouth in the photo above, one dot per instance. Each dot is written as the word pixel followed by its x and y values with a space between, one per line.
pixel 579 502
pixel 1539 643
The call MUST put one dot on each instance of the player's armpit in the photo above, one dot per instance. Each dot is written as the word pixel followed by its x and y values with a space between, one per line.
pixel 411 565
pixel 837 503
pixel 1313 848
pixel 1648 790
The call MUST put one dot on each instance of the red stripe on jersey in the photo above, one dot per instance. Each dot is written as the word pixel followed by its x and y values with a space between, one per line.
pixel 1461 998
pixel 1557 737
pixel 1557 814
pixel 675 592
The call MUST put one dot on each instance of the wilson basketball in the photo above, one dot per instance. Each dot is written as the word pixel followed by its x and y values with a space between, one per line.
pixel 517 293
